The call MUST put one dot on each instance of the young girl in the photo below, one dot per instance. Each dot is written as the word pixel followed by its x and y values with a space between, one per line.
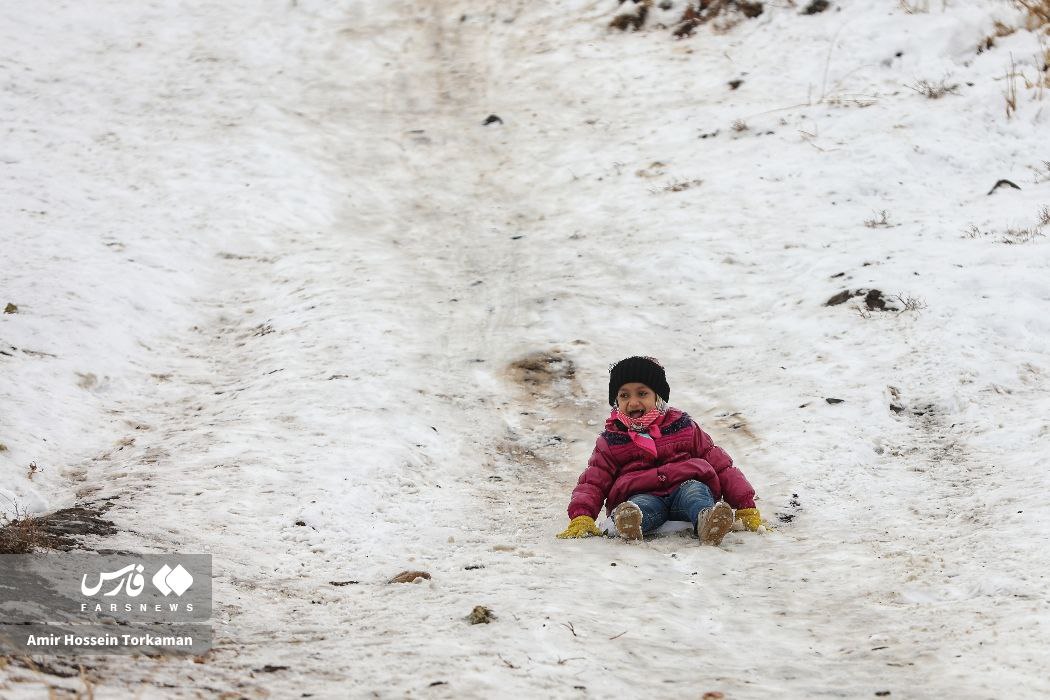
pixel 653 463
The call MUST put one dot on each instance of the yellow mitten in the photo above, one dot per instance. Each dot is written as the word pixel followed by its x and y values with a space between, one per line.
pixel 580 526
pixel 750 517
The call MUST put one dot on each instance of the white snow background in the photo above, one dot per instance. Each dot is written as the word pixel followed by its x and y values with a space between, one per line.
pixel 282 297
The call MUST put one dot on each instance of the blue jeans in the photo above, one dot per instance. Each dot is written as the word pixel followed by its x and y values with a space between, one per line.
pixel 684 503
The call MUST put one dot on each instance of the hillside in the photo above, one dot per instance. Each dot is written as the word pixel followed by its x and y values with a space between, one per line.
pixel 283 296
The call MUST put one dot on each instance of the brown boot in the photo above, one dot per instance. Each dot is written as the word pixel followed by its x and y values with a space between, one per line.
pixel 713 523
pixel 628 520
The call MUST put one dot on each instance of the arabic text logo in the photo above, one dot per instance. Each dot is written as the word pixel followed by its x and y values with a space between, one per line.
pixel 130 578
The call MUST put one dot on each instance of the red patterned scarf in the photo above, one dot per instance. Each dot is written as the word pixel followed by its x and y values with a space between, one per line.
pixel 643 429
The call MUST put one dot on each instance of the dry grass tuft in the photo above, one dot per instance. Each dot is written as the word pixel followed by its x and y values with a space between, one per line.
pixel 1014 235
pixel 22 534
pixel 25 533
pixel 881 222
pixel 935 91
pixel 1038 12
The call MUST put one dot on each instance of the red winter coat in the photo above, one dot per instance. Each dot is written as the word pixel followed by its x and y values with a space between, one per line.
pixel 619 469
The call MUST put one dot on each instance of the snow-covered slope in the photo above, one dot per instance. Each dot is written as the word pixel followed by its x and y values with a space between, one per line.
pixel 282 297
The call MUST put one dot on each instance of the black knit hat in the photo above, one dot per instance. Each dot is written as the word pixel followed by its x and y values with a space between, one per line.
pixel 638 369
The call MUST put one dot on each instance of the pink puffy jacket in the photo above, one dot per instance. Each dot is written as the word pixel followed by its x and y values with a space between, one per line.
pixel 618 469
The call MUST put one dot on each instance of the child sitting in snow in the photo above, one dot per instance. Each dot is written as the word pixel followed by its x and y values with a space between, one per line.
pixel 653 463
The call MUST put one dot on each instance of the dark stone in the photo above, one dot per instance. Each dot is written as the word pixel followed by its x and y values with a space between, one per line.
pixel 875 301
pixel 1003 183
pixel 840 298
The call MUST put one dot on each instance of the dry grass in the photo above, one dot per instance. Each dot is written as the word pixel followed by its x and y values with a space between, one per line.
pixel 22 534
pixel 679 186
pixel 910 303
pixel 881 222
pixel 935 91
pixel 1011 90
pixel 1012 236
pixel 1038 12
pixel 914 7
pixel 25 533
pixel 1043 175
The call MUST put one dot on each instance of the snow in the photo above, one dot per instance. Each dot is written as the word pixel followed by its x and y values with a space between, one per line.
pixel 271 268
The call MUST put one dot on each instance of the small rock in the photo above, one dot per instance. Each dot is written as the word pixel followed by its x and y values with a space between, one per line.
pixel 840 298
pixel 10 309
pixel 816 7
pixel 480 614
pixel 1003 183
pixel 410 577
pixel 492 119
pixel 875 301
pixel 834 401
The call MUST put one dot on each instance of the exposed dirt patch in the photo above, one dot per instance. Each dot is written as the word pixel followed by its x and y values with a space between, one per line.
pixel 518 453
pixel 410 577
pixel 736 423
pixel 540 371
pixel 874 299
pixel 58 530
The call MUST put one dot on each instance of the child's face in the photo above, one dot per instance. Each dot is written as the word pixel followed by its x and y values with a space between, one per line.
pixel 635 399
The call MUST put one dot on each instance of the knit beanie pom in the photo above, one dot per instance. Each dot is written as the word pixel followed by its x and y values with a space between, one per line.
pixel 645 370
